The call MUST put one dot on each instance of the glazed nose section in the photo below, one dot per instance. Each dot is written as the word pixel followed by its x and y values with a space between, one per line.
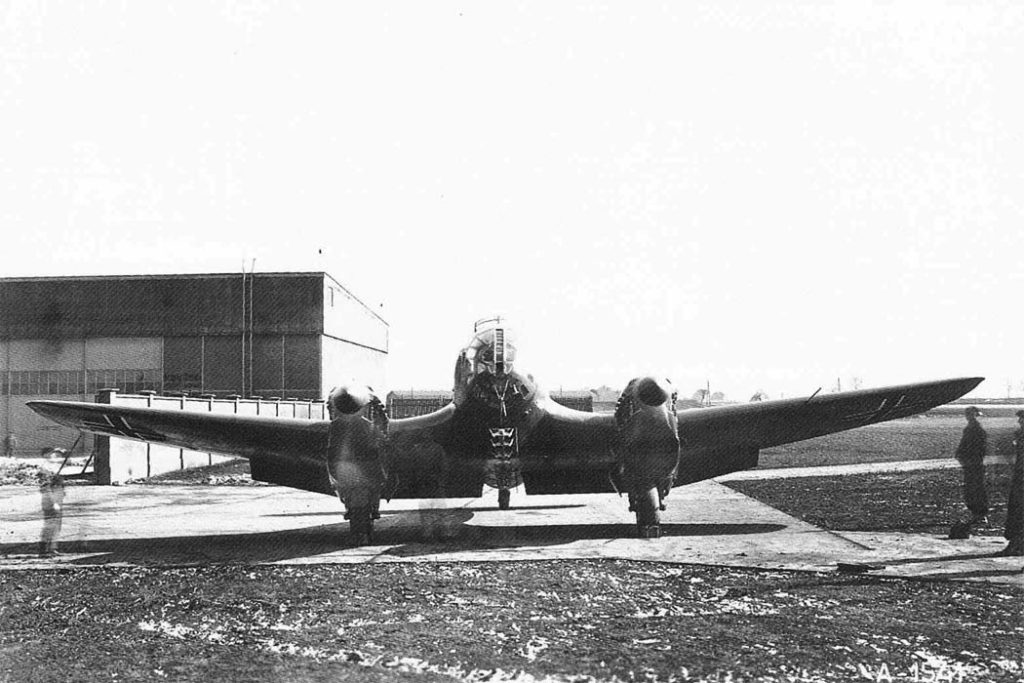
pixel 651 391
pixel 349 400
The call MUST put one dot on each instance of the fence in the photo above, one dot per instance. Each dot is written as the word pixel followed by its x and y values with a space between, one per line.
pixel 410 406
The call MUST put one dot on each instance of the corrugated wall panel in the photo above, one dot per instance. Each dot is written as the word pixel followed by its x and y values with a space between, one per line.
pixel 268 368
pixel 124 352
pixel 286 303
pixel 46 354
pixel 302 367
pixel 183 363
pixel 223 370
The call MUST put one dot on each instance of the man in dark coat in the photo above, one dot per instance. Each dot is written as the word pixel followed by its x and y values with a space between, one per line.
pixel 971 454
pixel 1014 532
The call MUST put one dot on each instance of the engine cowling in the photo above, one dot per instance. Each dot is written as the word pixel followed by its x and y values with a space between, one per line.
pixel 648 433
pixel 355 455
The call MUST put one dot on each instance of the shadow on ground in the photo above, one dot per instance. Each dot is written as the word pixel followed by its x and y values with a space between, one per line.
pixel 436 533
pixel 392 513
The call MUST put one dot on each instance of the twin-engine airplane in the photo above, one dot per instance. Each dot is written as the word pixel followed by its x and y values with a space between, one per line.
pixel 501 429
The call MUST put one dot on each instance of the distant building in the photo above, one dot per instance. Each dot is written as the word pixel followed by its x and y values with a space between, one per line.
pixel 290 335
pixel 412 402
pixel 582 399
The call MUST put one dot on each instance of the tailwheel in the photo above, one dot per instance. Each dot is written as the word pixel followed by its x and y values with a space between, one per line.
pixel 360 524
pixel 504 498
pixel 648 513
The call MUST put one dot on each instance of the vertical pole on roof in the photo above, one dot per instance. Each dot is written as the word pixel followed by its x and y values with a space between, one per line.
pixel 243 326
pixel 252 280
pixel 202 362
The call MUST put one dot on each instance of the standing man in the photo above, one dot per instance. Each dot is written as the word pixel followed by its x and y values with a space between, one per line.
pixel 1015 500
pixel 971 454
pixel 10 444
pixel 51 488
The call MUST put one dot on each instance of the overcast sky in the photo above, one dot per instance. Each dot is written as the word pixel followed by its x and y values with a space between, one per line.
pixel 763 195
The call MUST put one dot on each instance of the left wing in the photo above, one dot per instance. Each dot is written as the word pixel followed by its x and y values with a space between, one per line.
pixel 286 451
pixel 724 439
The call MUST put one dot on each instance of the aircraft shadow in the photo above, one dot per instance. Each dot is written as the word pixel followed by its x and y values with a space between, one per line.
pixel 982 574
pixel 942 558
pixel 247 548
pixel 528 508
pixel 393 513
pixel 449 538
pixel 435 534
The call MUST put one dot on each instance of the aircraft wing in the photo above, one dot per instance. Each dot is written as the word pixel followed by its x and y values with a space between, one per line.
pixel 286 451
pixel 727 438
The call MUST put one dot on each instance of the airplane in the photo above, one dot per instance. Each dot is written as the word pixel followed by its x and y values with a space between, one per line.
pixel 504 430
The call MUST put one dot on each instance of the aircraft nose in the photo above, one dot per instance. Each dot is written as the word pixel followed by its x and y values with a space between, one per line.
pixel 348 400
pixel 651 391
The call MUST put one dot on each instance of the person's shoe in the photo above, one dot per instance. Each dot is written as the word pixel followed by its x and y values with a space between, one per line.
pixel 960 530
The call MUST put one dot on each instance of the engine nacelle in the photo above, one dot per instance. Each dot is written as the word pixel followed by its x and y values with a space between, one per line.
pixel 648 439
pixel 355 454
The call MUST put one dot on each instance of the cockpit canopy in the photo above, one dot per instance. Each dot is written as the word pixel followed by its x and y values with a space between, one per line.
pixel 492 348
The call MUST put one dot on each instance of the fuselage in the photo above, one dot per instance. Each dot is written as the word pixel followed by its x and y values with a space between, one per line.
pixel 493 423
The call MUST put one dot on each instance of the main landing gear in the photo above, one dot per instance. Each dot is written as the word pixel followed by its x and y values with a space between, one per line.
pixel 504 498
pixel 647 506
pixel 360 523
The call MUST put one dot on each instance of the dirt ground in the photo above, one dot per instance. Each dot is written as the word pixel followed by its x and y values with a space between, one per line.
pixel 530 621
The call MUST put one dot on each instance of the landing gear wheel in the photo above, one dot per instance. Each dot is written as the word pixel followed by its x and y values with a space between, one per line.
pixel 360 524
pixel 504 496
pixel 648 513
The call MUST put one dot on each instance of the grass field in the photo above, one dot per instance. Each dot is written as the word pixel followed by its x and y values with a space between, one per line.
pixel 933 435
pixel 922 502
pixel 917 502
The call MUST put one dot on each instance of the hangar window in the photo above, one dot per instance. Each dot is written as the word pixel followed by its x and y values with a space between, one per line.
pixel 183 381
pixel 128 381
pixel 45 382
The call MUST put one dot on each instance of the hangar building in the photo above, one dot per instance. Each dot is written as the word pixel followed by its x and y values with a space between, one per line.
pixel 288 335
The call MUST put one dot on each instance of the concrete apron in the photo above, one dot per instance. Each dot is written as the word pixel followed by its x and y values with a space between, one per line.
pixel 706 523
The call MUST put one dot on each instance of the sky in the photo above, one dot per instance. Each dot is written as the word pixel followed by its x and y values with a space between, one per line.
pixel 776 196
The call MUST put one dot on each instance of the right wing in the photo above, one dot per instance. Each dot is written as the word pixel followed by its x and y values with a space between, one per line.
pixel 286 451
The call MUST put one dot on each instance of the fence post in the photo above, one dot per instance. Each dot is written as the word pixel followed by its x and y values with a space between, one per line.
pixel 101 444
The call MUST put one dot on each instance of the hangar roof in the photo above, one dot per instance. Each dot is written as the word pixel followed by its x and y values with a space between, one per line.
pixel 167 305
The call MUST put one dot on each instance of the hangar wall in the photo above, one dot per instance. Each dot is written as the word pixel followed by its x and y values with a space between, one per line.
pixel 288 335
pixel 354 344
pixel 344 363
pixel 348 319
